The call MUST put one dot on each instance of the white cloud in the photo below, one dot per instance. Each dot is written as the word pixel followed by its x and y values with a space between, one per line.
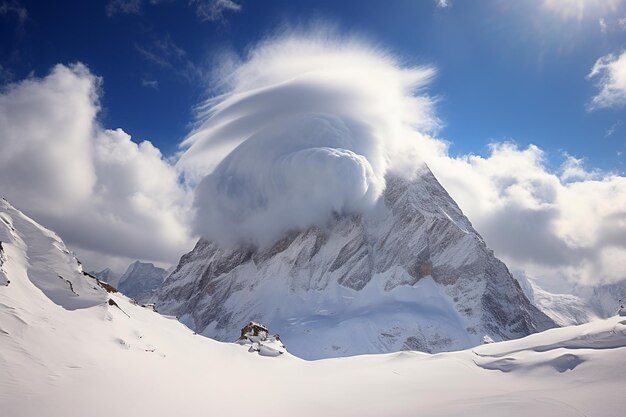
pixel 6 75
pixel 213 10
pixel 99 190
pixel 167 55
pixel 559 228
pixel 14 7
pixel 613 128
pixel 572 169
pixel 114 7
pixel 148 83
pixel 609 72
pixel 206 10
pixel 443 3
pixel 581 9
pixel 307 129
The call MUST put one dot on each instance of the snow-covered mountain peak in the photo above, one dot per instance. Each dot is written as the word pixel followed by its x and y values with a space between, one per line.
pixel 412 273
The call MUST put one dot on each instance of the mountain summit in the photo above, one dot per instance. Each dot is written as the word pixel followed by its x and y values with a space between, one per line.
pixel 410 274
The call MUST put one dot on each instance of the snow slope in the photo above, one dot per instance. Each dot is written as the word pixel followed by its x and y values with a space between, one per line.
pixel 410 274
pixel 116 358
pixel 33 251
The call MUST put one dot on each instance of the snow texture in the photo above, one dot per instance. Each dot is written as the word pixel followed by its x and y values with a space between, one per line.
pixel 113 357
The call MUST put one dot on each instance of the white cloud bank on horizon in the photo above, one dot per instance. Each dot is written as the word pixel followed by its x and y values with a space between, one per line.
pixel 109 196
pixel 609 72
pixel 105 195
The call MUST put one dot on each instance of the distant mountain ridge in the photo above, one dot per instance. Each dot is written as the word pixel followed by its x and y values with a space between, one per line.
pixel 581 305
pixel 139 281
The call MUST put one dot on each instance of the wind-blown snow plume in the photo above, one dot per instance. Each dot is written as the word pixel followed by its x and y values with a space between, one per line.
pixel 309 127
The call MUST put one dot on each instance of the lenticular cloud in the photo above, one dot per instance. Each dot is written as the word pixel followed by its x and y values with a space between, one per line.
pixel 308 128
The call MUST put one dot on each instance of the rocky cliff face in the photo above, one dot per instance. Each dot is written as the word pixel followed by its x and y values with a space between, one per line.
pixel 410 274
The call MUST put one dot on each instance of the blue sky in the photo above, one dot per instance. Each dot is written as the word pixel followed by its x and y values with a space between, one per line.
pixel 505 72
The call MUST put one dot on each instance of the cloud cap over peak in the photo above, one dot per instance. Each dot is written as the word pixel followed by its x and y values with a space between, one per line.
pixel 308 126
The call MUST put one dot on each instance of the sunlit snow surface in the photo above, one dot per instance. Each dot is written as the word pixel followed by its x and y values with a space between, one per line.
pixel 96 359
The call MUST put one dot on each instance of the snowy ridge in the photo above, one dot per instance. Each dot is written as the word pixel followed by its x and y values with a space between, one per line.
pixel 410 274
pixel 37 253
pixel 112 357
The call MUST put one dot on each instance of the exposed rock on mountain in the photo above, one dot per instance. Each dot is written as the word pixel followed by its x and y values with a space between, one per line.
pixel 258 339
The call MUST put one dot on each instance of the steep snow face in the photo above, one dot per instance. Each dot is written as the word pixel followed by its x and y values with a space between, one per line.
pixel 410 274
pixel 140 280
pixel 33 252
